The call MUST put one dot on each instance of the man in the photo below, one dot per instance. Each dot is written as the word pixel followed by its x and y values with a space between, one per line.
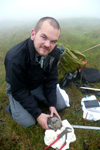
pixel 31 74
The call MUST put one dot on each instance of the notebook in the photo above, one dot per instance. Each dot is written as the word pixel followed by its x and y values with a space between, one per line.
pixel 91 104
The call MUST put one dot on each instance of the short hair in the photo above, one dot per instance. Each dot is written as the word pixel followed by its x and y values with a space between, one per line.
pixel 53 22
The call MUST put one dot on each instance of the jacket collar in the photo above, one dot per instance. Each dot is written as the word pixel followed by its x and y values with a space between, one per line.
pixel 31 49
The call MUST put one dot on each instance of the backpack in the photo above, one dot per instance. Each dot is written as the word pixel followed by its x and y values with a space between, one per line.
pixel 69 64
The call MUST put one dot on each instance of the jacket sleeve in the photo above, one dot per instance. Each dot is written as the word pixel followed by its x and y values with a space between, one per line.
pixel 52 80
pixel 15 76
pixel 50 86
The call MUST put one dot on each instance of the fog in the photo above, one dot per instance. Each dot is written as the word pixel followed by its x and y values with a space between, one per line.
pixel 22 10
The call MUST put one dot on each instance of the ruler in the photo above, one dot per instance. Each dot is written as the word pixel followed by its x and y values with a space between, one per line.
pixel 85 127
pixel 87 88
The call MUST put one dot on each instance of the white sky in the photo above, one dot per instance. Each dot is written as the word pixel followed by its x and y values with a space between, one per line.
pixel 30 9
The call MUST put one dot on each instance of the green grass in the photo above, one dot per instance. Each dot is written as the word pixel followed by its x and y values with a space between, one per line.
pixel 77 34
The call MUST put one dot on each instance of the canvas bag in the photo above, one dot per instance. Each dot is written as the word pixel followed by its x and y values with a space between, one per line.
pixel 91 75
pixel 91 111
pixel 69 62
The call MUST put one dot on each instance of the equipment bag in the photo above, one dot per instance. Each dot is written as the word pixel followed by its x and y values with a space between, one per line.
pixel 91 108
pixel 69 62
pixel 91 75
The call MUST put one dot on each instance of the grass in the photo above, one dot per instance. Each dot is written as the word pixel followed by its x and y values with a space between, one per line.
pixel 79 34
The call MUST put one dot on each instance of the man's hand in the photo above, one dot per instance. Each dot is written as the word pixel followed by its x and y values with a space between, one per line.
pixel 42 120
pixel 53 111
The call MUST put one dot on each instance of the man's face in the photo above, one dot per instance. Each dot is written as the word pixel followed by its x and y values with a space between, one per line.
pixel 45 39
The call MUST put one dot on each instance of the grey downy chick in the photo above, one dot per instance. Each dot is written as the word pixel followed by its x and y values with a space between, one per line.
pixel 54 123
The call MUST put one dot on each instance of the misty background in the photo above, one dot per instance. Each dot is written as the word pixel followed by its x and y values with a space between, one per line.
pixel 24 11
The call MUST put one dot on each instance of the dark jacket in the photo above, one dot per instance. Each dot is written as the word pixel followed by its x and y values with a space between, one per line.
pixel 24 74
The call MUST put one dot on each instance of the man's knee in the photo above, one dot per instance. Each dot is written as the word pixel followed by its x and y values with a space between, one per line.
pixel 25 122
pixel 61 107
pixel 21 117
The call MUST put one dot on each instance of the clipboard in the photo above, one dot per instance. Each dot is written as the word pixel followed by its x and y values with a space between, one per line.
pixel 92 103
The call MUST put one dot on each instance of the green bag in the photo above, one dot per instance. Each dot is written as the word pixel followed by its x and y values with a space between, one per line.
pixel 70 61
